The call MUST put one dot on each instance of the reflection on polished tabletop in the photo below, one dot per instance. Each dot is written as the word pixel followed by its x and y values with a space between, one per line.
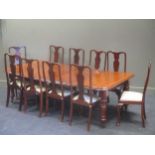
pixel 100 79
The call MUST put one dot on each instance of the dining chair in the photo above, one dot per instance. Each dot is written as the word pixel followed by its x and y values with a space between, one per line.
pixel 76 56
pixel 81 78
pixel 32 82
pixel 54 85
pixel 134 98
pixel 14 80
pixel 97 59
pixel 18 50
pixel 114 60
pixel 56 54
pixel 117 61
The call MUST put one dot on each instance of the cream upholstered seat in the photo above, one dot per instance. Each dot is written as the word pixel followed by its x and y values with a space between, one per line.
pixel 59 92
pixel 87 98
pixel 131 96
pixel 19 83
pixel 37 88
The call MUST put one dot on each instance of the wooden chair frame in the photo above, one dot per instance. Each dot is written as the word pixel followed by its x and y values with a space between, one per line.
pixel 116 68
pixel 141 103
pixel 116 63
pixel 80 87
pixel 56 51
pixel 50 71
pixel 12 77
pixel 30 83
pixel 75 52
pixel 98 56
pixel 18 50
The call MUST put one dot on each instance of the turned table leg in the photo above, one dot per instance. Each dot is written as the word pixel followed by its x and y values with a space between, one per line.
pixel 103 106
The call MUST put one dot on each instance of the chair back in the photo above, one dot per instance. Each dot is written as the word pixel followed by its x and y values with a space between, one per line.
pixel 18 50
pixel 52 79
pixel 76 56
pixel 12 71
pixel 146 81
pixel 81 78
pixel 56 54
pixel 97 59
pixel 116 60
pixel 31 74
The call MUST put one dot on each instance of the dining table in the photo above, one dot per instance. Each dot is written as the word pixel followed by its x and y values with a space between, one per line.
pixel 102 81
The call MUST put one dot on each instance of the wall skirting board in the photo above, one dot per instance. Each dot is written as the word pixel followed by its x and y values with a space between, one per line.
pixel 135 87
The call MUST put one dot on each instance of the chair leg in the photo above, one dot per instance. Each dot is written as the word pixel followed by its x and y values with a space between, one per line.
pixel 71 114
pixel 80 110
pixel 142 116
pixel 25 102
pixel 62 110
pixel 12 94
pixel 21 100
pixel 89 119
pixel 108 99
pixel 126 107
pixel 118 115
pixel 40 105
pixel 47 108
pixel 144 111
pixel 8 96
pixel 118 93
pixel 16 93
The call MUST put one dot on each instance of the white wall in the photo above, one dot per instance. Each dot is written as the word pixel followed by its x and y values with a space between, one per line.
pixel 136 37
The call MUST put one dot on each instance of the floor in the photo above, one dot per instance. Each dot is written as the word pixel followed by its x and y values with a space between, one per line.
pixel 14 122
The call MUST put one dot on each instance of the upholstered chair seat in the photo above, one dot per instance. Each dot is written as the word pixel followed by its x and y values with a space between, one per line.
pixel 131 96
pixel 59 92
pixel 87 98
